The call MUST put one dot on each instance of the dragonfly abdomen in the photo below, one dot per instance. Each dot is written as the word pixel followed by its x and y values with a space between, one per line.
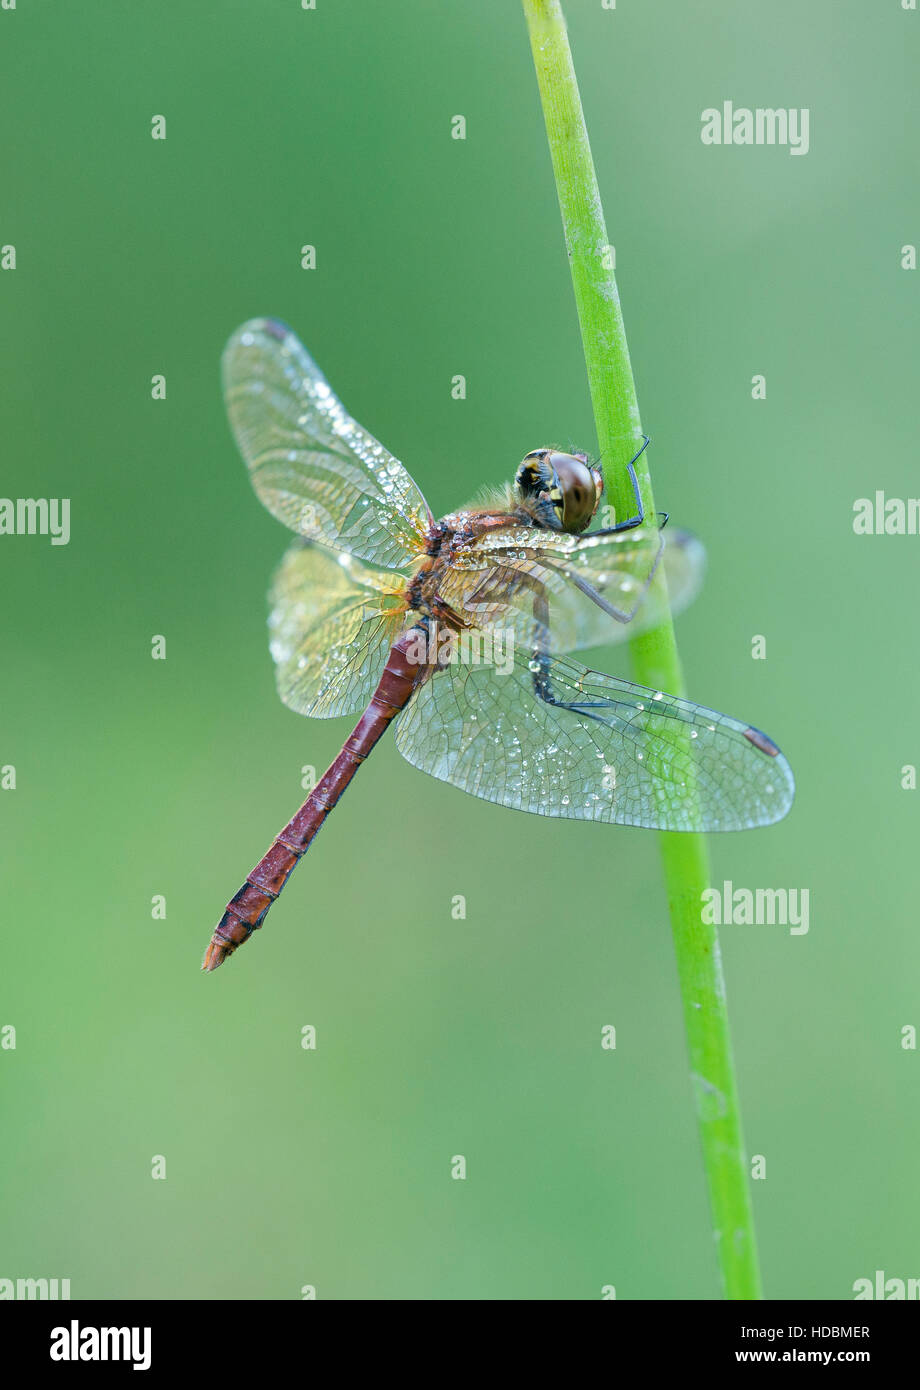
pixel 247 908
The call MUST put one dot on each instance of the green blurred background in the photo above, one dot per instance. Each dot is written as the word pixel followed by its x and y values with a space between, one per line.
pixel 137 777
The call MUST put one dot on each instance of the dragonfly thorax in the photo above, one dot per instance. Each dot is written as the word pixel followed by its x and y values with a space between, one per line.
pixel 563 488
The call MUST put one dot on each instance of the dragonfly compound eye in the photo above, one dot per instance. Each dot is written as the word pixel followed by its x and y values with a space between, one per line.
pixel 579 488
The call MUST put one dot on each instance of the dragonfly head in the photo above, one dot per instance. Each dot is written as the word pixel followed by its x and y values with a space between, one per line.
pixel 564 488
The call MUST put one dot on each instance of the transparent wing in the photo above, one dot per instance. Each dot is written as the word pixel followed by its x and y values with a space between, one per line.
pixel 310 463
pixel 585 590
pixel 606 751
pixel 332 623
pixel 639 599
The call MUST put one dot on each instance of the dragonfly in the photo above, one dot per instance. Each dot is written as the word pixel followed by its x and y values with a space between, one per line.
pixel 460 632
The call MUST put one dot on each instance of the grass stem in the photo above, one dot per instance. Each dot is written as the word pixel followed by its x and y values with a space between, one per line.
pixel 654 654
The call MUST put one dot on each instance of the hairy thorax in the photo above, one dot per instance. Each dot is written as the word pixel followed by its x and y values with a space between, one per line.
pixel 447 542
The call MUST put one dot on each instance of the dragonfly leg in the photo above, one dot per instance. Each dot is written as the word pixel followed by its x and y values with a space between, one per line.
pixel 638 519
pixel 543 689
pixel 540 661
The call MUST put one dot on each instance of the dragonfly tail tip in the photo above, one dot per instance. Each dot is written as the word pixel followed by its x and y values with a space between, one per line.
pixel 213 957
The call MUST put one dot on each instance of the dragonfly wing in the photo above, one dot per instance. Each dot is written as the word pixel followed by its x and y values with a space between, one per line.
pixel 607 750
pixel 597 589
pixel 645 600
pixel 332 623
pixel 313 466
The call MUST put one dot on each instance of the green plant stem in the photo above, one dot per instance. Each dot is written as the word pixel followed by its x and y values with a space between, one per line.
pixel 654 654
